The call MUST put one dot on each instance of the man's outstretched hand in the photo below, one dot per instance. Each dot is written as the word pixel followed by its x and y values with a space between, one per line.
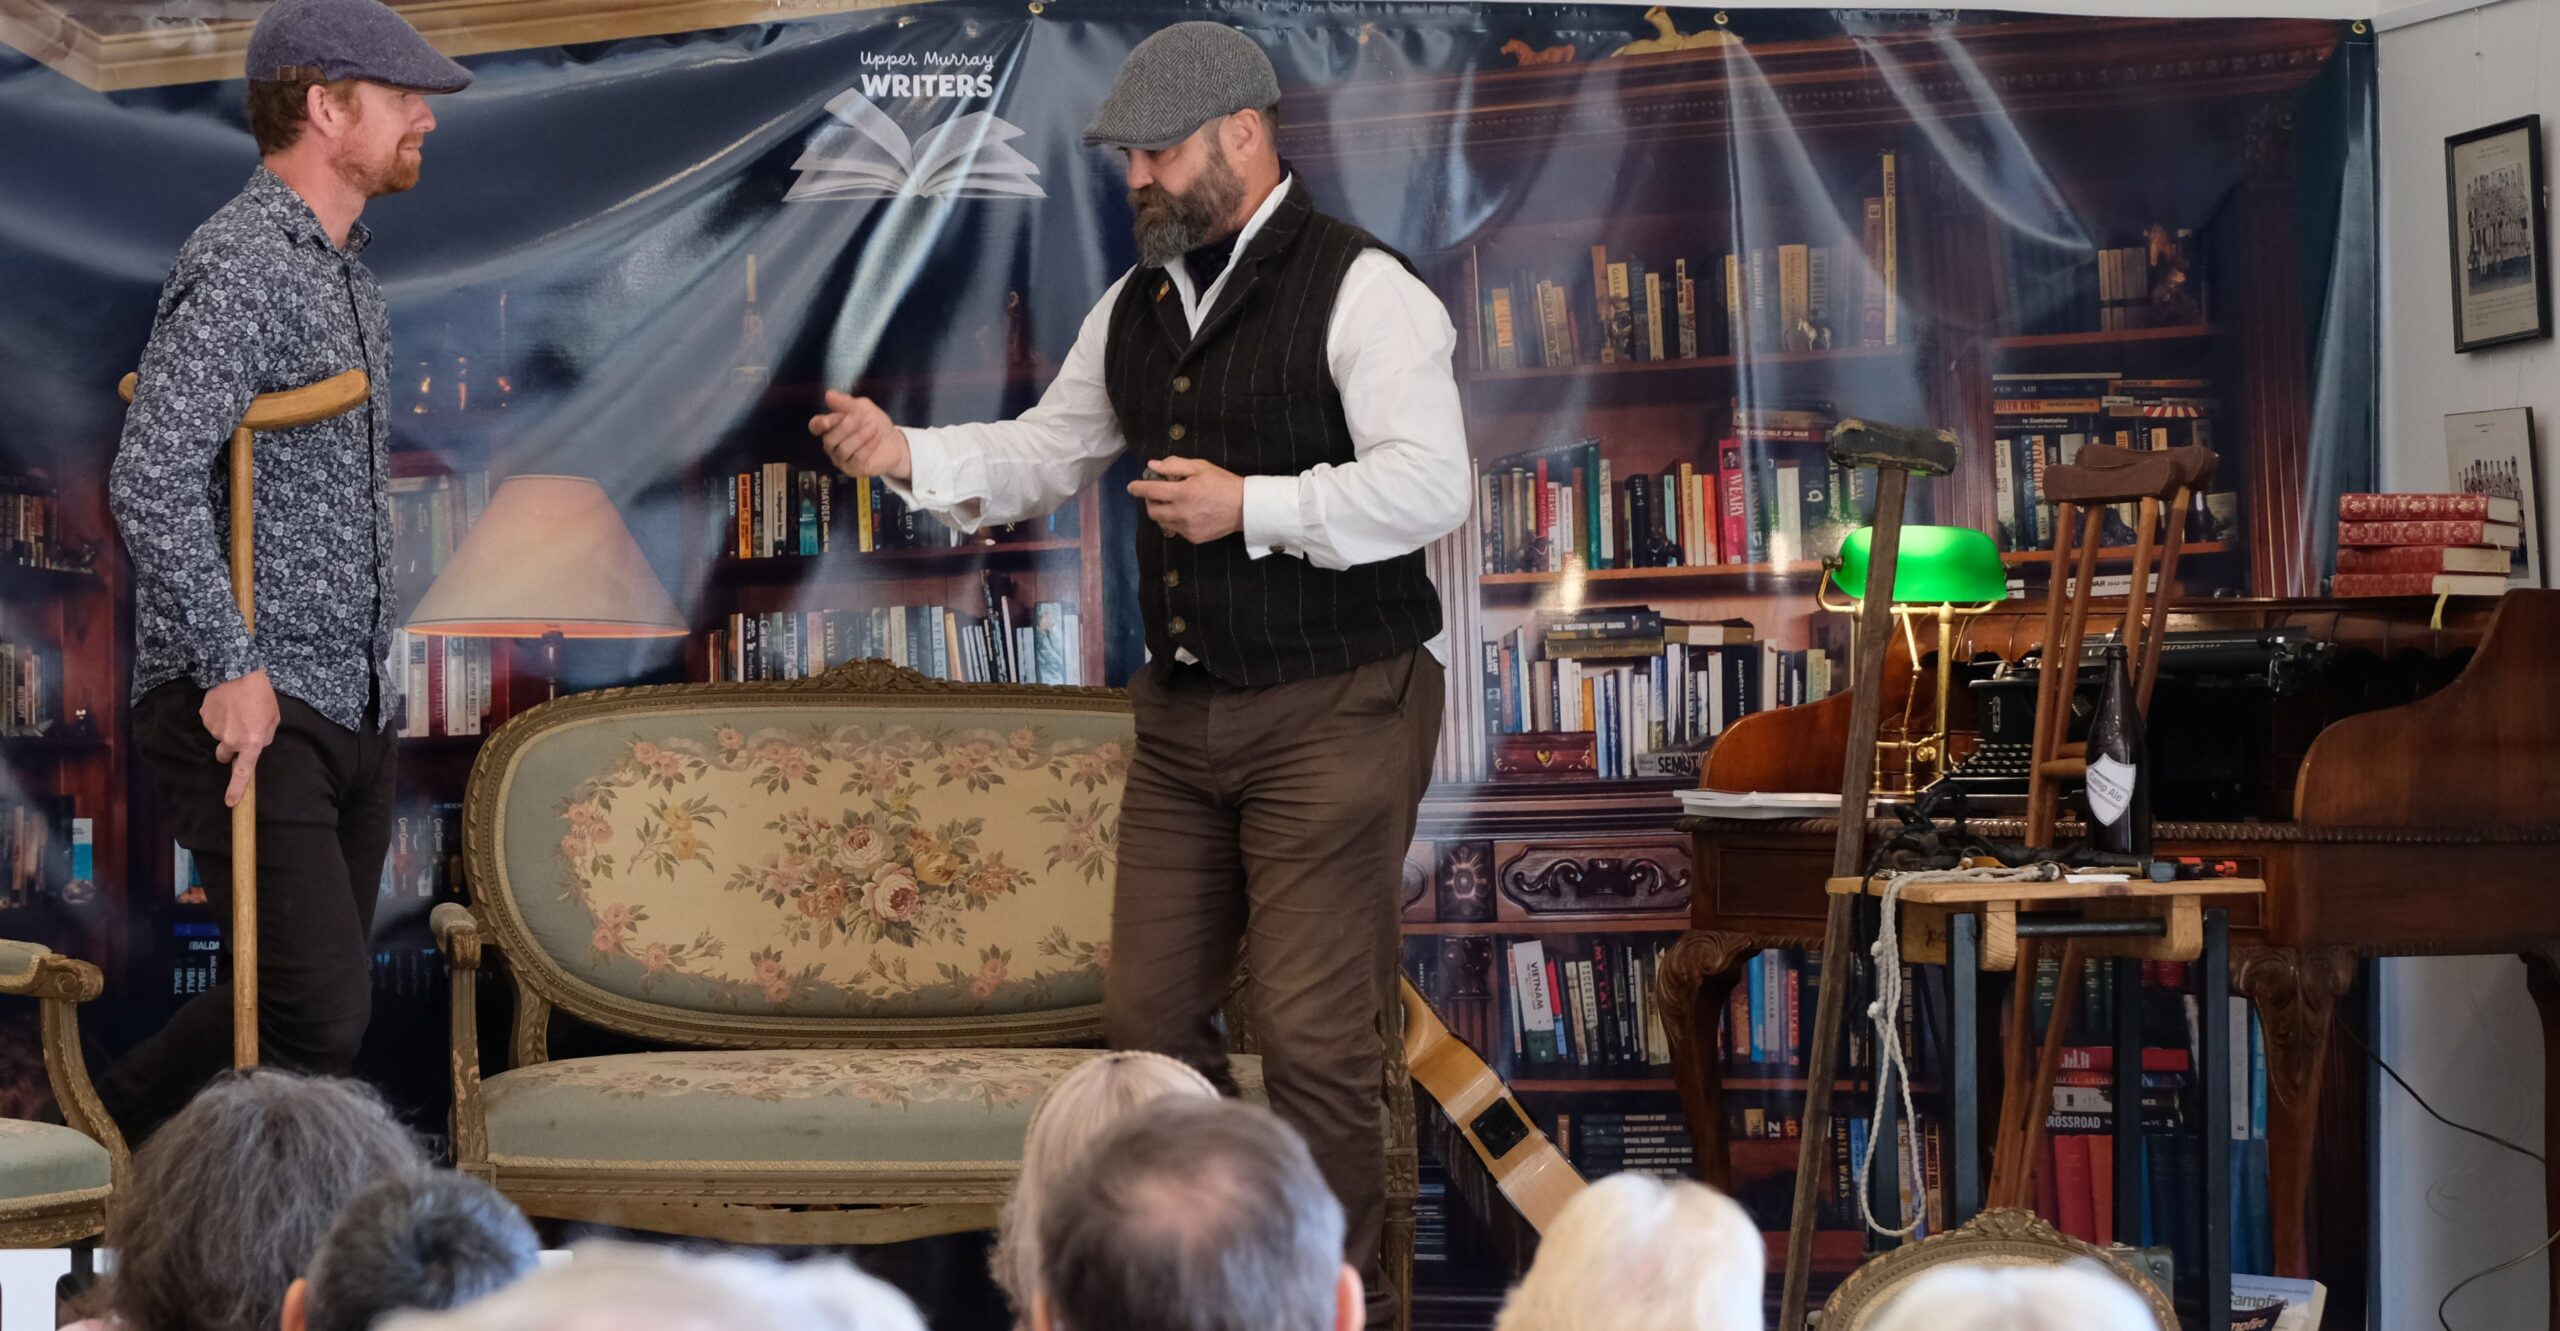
pixel 860 438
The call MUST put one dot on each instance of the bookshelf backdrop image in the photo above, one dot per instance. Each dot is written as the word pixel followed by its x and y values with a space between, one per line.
pixel 1674 262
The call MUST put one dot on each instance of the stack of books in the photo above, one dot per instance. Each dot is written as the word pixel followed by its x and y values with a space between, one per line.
pixel 2425 544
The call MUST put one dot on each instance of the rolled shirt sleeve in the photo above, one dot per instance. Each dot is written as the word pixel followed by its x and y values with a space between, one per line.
pixel 1390 345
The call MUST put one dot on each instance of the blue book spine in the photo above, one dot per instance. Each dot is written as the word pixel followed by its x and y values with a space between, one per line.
pixel 1760 1005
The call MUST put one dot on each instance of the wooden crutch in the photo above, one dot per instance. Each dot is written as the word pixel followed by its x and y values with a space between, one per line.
pixel 2162 482
pixel 284 410
pixel 1897 453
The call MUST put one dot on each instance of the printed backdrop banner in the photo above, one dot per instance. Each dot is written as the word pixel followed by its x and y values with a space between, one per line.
pixel 1663 241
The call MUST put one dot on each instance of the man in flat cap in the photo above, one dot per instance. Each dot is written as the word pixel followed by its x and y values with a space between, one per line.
pixel 270 294
pixel 1287 379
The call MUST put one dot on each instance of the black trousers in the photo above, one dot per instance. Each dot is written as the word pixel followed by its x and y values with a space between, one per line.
pixel 324 826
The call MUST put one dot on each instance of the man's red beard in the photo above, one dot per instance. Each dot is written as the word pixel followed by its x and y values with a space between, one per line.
pixel 395 173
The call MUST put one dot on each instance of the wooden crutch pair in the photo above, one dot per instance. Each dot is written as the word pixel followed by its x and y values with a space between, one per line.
pixel 308 405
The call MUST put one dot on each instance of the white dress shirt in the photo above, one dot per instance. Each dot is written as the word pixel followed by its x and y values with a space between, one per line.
pixel 1389 345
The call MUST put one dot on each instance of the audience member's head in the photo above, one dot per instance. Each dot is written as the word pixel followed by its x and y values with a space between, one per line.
pixel 616 1287
pixel 431 1242
pixel 1634 1253
pixel 229 1199
pixel 2079 1297
pixel 1196 1217
pixel 1096 1095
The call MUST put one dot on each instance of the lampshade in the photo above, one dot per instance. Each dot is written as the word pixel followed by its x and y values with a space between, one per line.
pixel 549 555
pixel 1936 564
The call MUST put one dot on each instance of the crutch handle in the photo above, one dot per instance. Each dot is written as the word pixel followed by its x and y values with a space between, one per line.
pixel 283 410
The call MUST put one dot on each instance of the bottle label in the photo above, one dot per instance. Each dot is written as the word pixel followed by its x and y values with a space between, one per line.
pixel 2110 789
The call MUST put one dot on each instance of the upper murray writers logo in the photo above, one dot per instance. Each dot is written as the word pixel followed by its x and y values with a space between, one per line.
pixel 864 154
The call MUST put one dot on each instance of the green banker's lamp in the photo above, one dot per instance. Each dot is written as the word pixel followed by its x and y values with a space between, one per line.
pixel 1949 573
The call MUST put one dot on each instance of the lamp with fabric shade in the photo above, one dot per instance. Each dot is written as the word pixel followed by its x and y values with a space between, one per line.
pixel 1949 573
pixel 549 558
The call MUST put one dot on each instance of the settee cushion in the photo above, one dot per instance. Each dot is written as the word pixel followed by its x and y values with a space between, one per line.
pixel 815 858
pixel 779 1110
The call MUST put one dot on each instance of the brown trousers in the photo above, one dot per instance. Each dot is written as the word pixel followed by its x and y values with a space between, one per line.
pixel 1273 822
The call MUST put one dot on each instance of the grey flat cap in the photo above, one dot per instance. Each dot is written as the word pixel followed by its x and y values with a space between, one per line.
pixel 348 39
pixel 1178 80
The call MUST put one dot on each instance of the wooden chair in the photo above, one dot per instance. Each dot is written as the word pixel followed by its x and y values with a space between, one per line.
pixel 58 1181
pixel 1994 1238
pixel 862 918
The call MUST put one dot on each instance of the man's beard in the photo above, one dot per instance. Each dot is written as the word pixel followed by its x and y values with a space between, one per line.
pixel 394 173
pixel 1170 225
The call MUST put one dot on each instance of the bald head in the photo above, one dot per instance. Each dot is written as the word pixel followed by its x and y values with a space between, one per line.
pixel 1195 1217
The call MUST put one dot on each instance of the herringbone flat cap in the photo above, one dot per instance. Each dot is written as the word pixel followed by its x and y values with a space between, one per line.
pixel 1178 80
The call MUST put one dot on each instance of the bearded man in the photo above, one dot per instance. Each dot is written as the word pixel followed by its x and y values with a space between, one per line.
pixel 1287 379
pixel 269 294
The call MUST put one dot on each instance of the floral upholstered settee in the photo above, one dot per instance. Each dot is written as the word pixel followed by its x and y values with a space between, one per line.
pixel 866 916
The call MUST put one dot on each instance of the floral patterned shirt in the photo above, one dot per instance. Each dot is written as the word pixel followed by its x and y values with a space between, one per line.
pixel 259 301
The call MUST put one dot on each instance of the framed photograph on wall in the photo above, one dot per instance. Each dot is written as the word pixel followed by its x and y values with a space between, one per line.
pixel 2493 189
pixel 2491 453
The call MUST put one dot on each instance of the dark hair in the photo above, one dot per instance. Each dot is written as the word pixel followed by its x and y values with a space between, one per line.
pixel 279 108
pixel 229 1199
pixel 430 1243
pixel 1191 1216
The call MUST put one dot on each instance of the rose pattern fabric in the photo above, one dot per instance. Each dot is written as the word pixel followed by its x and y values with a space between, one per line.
pixel 895 869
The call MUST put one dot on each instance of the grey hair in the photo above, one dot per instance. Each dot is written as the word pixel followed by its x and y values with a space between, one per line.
pixel 229 1199
pixel 431 1242
pixel 1097 1094
pixel 2081 1296
pixel 1634 1253
pixel 617 1286
pixel 1194 1217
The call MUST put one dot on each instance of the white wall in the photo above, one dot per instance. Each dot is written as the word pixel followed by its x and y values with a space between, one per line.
pixel 2460 1029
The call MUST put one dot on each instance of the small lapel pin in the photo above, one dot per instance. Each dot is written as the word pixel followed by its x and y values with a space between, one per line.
pixel 1162 288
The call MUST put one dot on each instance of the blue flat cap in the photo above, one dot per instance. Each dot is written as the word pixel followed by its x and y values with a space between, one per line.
pixel 1178 80
pixel 330 40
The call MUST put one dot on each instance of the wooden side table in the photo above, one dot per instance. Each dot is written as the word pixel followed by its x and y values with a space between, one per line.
pixel 1975 926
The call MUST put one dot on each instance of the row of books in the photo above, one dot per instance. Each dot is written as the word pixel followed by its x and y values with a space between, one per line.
pixel 1038 643
pixel 1584 1004
pixel 779 511
pixel 1601 1142
pixel 1640 708
pixel 429 516
pixel 2157 280
pixel 32 533
pixel 1767 1024
pixel 447 684
pixel 1770 496
pixel 425 863
pixel 46 849
pixel 30 689
pixel 2043 420
pixel 1805 296
pixel 2426 544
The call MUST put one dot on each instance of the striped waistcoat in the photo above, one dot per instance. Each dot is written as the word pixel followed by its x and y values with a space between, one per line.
pixel 1253 392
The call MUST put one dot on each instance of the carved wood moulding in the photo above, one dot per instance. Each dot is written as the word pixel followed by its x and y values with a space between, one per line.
pixel 1924 72
pixel 1594 880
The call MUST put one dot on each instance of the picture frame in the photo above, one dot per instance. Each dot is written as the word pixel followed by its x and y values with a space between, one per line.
pixel 2494 237
pixel 2492 452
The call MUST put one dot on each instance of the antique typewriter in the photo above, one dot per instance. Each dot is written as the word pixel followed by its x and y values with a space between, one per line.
pixel 2210 699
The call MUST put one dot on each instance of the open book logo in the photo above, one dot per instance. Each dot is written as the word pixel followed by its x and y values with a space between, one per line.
pixel 864 155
